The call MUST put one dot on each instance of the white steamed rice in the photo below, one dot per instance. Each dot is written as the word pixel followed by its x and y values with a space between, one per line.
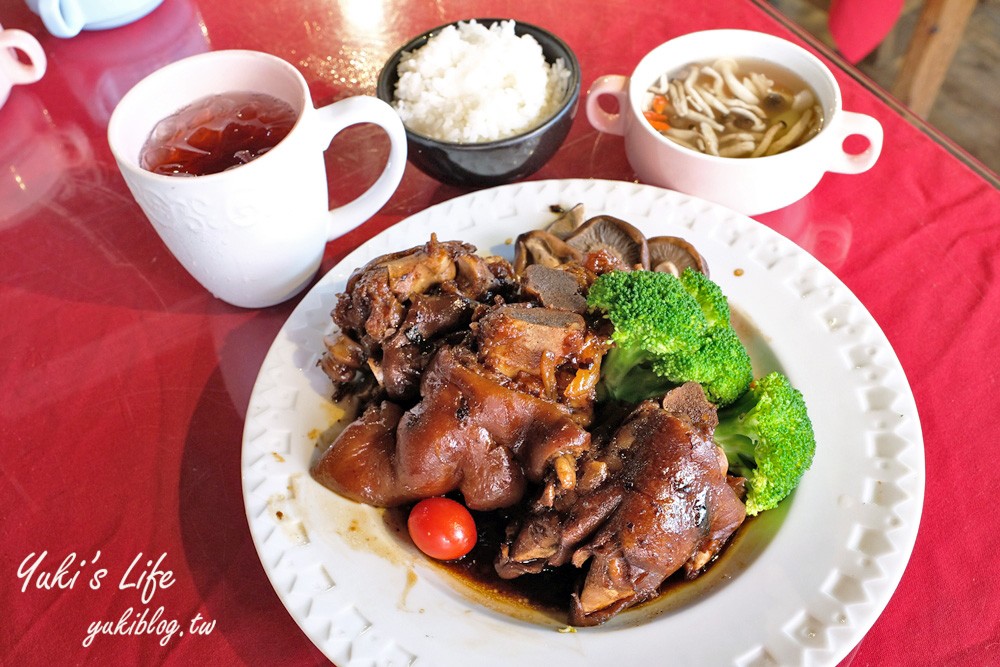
pixel 472 84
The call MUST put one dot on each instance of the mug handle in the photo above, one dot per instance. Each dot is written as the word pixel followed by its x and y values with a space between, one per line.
pixel 18 71
pixel 850 124
pixel 351 111
pixel 63 18
pixel 615 85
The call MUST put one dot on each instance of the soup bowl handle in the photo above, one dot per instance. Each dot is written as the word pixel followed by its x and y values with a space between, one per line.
pixel 851 124
pixel 615 85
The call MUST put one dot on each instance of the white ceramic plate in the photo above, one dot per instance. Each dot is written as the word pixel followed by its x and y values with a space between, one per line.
pixel 803 584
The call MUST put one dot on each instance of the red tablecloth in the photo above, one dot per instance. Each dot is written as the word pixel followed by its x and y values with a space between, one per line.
pixel 124 385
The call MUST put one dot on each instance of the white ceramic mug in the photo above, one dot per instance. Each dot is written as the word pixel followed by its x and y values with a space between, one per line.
pixel 66 18
pixel 748 185
pixel 14 72
pixel 253 235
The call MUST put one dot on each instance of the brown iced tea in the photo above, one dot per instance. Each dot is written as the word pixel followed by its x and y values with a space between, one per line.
pixel 217 133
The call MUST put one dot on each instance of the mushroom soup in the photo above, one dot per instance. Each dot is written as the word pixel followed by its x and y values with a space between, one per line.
pixel 751 108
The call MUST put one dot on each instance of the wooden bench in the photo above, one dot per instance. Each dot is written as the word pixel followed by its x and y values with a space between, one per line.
pixel 939 30
pixel 935 40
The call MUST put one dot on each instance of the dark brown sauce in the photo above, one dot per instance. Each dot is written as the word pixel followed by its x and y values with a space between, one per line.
pixel 548 593
pixel 217 133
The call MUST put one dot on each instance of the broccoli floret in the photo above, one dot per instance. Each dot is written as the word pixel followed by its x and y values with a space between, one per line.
pixel 668 331
pixel 721 366
pixel 768 439
pixel 708 295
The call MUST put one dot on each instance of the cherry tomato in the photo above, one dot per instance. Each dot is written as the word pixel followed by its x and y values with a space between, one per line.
pixel 442 528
